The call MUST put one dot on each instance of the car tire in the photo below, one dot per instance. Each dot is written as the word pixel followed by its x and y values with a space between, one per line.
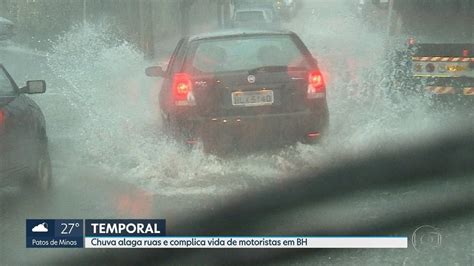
pixel 165 125
pixel 40 178
pixel 44 173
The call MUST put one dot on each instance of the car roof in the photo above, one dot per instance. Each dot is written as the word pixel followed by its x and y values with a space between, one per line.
pixel 238 33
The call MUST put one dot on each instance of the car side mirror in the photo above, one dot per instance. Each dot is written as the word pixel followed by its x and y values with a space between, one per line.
pixel 34 87
pixel 155 71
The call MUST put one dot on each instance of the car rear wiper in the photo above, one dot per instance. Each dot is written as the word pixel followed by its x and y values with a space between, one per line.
pixel 275 68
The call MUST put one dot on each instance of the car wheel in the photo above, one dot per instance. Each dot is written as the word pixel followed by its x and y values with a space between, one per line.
pixel 40 177
pixel 43 174
pixel 165 124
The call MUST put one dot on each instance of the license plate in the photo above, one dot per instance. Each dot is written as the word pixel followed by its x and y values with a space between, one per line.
pixel 252 98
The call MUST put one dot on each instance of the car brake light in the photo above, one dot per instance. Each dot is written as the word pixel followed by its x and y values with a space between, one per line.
pixel 313 135
pixel 316 86
pixel 2 119
pixel 183 90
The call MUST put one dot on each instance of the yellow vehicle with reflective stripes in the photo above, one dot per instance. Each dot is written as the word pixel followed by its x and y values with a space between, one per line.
pixel 432 46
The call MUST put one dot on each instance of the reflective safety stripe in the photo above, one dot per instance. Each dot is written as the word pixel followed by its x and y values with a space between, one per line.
pixel 433 76
pixel 469 91
pixel 441 90
pixel 442 59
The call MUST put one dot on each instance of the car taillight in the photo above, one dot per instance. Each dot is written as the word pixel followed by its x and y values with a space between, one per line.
pixel 183 90
pixel 316 86
pixel 3 117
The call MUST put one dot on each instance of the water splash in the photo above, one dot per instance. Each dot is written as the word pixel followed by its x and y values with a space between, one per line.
pixel 118 126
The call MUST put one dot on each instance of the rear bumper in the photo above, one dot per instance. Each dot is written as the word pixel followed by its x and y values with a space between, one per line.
pixel 259 130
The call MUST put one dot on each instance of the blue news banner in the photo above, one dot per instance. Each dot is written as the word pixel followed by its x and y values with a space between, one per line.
pixel 135 233
pixel 71 233
pixel 54 233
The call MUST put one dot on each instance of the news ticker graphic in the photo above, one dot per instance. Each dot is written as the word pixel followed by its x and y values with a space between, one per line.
pixel 70 233
pixel 125 228
pixel 67 233
pixel 151 233
pixel 246 242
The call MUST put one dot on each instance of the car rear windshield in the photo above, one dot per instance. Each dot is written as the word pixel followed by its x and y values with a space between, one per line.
pixel 6 87
pixel 249 16
pixel 246 53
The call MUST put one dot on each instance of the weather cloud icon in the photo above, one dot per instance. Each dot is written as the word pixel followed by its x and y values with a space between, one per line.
pixel 40 228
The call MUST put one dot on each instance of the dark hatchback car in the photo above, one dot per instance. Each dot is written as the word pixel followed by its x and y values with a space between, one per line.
pixel 243 90
pixel 24 156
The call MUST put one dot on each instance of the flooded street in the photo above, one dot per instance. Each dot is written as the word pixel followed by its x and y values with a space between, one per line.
pixel 111 158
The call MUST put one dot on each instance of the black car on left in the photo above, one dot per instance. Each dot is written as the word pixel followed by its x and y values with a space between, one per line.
pixel 24 156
